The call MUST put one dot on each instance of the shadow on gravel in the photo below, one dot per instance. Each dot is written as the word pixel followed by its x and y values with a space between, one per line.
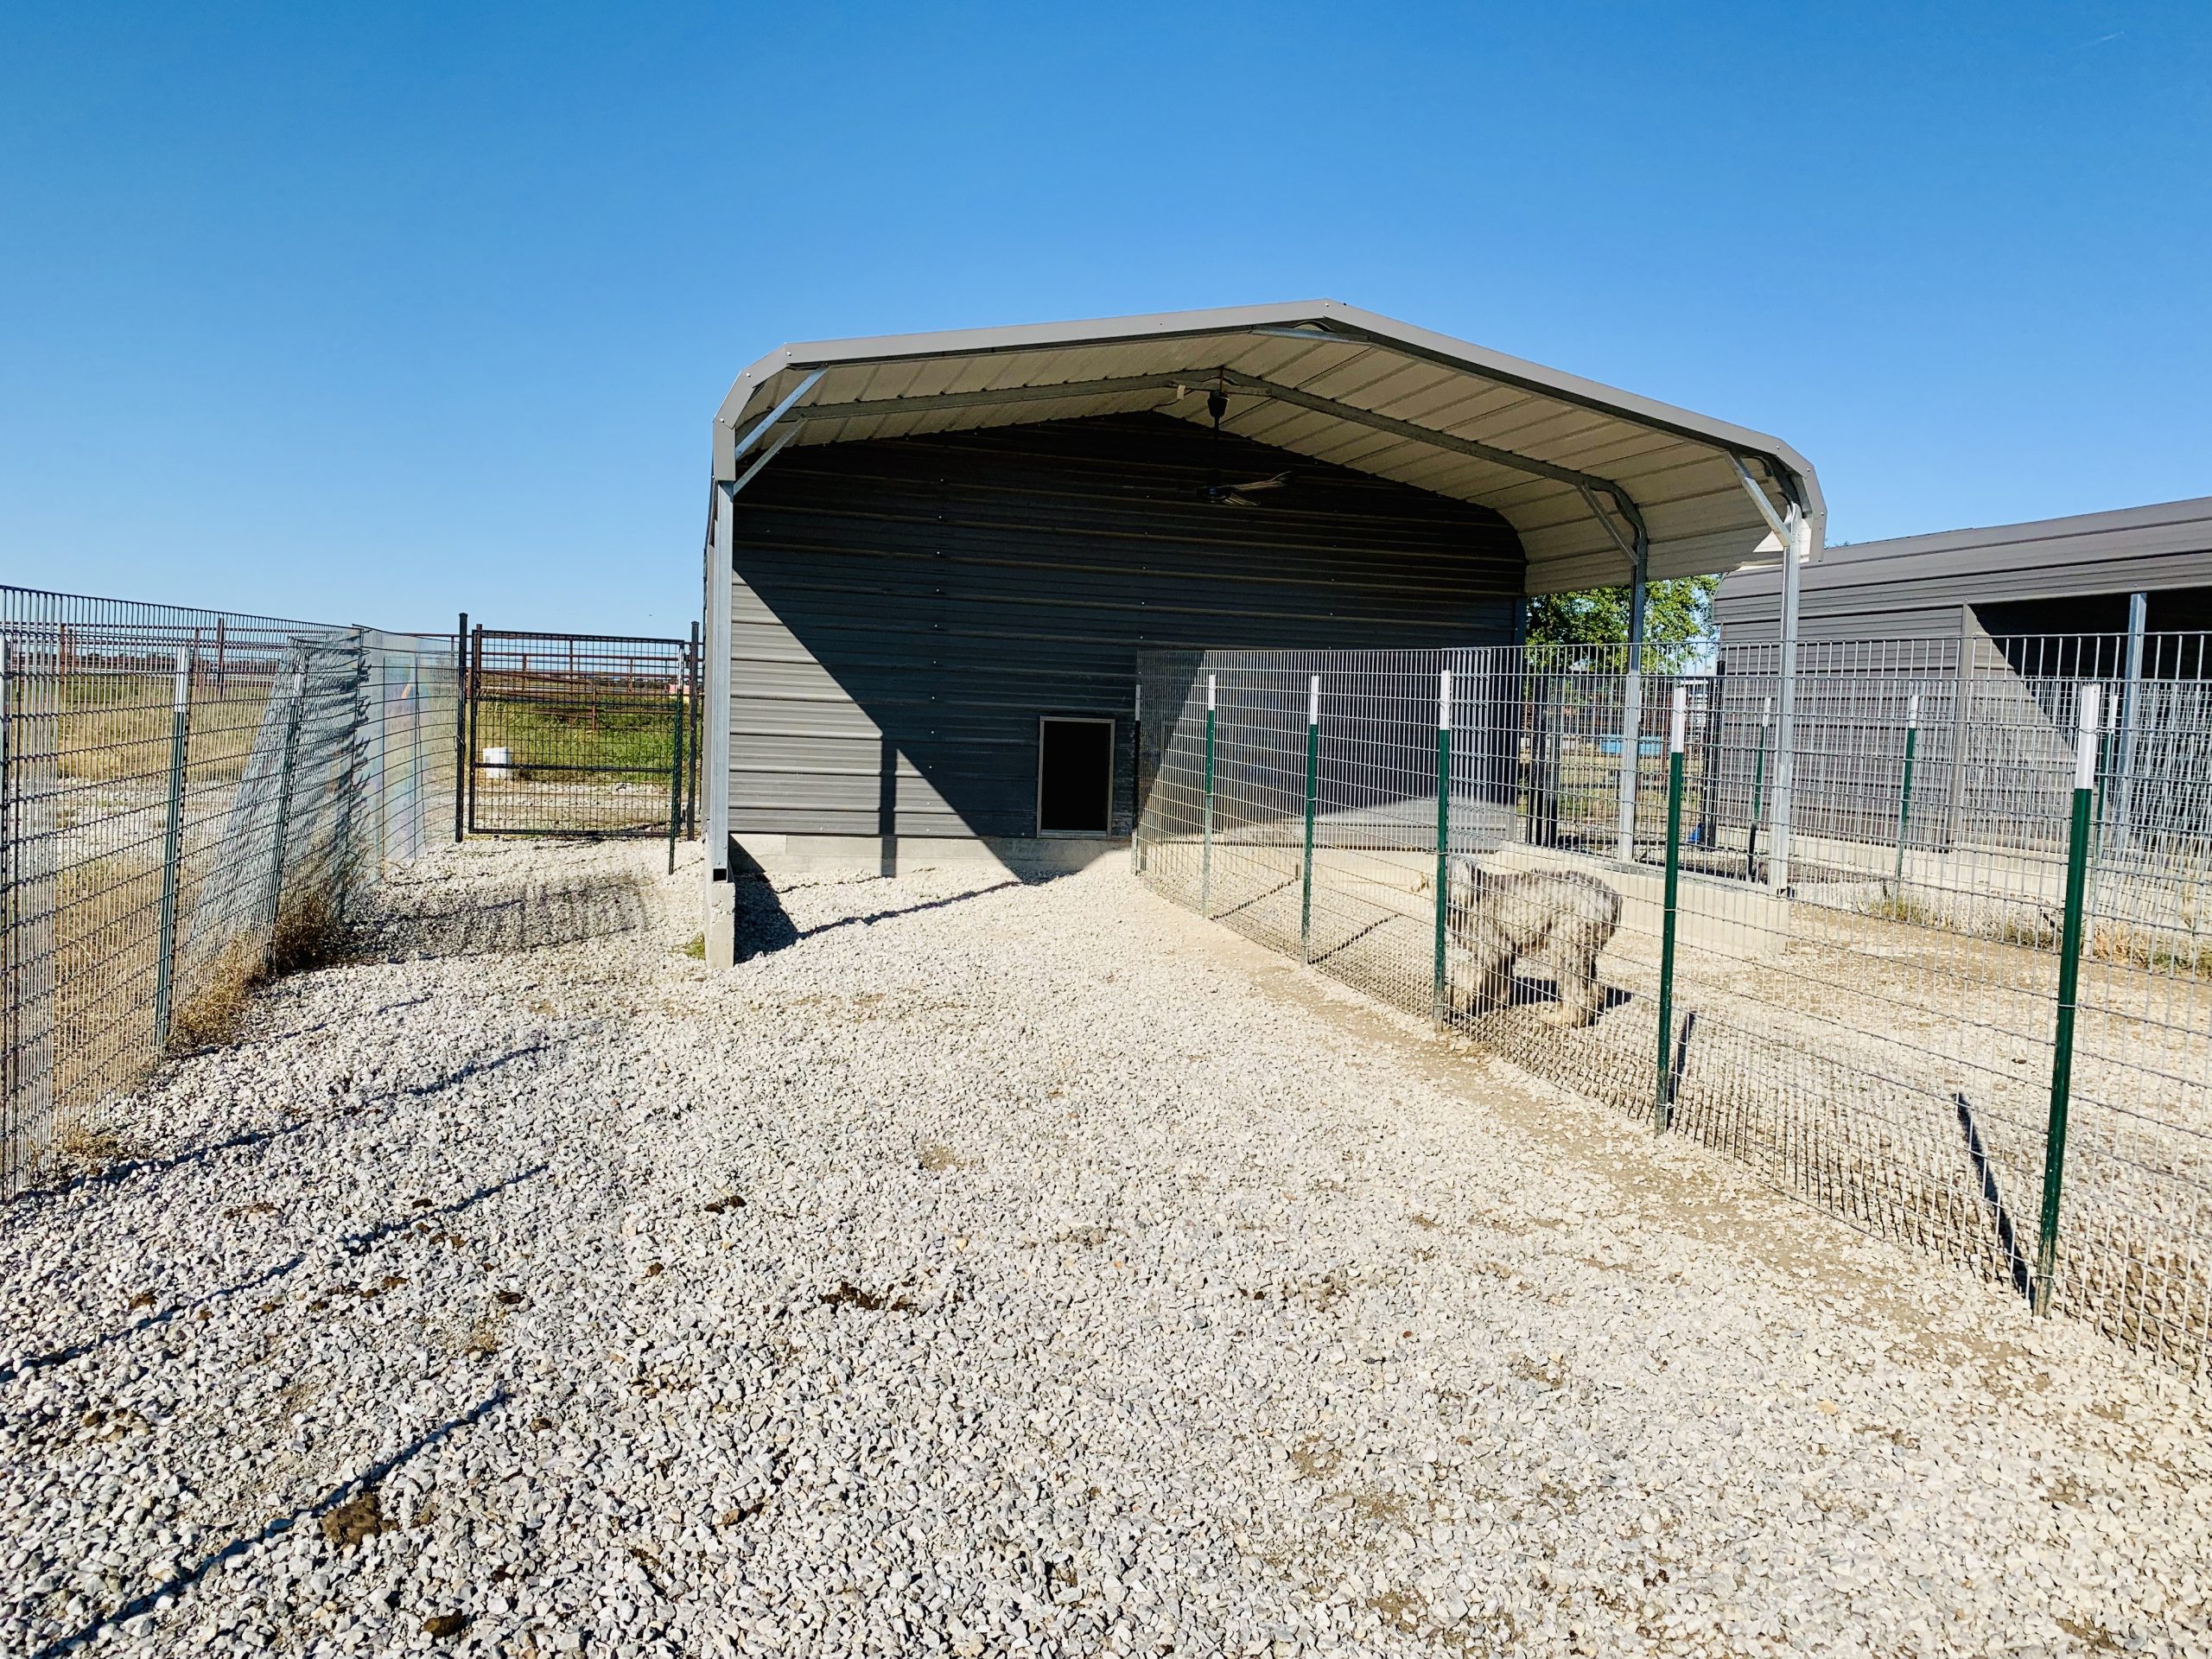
pixel 116 1173
pixel 524 916
pixel 358 1244
pixel 146 1601
pixel 262 1039
pixel 764 926
pixel 353 1245
pixel 78 1350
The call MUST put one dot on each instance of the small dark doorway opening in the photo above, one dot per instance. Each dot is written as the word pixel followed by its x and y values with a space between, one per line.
pixel 1075 776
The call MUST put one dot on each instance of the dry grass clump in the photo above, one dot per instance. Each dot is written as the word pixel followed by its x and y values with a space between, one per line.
pixel 208 1012
pixel 2160 950
pixel 90 1147
pixel 1900 907
pixel 308 935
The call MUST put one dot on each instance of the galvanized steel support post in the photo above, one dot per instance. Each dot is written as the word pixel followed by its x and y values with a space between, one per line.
pixel 1632 708
pixel 172 847
pixel 1312 786
pixel 2069 964
pixel 1205 851
pixel 722 573
pixel 1797 550
pixel 1662 1101
pixel 1443 832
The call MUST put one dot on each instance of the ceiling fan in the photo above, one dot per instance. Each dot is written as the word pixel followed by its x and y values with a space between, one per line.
pixel 1232 495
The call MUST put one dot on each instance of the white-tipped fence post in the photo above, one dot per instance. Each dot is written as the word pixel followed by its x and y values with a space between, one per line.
pixel 1678 734
pixel 1443 828
pixel 1313 788
pixel 1904 784
pixel 1205 851
pixel 1136 780
pixel 172 847
pixel 1632 741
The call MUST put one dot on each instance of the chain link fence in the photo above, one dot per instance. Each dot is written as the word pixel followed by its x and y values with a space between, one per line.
pixel 190 801
pixel 1888 1026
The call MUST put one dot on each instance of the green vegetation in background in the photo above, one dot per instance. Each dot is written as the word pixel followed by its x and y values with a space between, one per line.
pixel 549 733
pixel 1677 625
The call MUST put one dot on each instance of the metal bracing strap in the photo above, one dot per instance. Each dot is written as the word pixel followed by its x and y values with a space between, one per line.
pixel 791 401
pixel 1774 520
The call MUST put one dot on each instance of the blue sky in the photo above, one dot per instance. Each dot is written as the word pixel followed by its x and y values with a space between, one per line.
pixel 379 313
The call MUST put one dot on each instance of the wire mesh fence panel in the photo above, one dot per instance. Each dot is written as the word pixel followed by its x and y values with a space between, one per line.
pixel 1489 850
pixel 187 797
pixel 580 734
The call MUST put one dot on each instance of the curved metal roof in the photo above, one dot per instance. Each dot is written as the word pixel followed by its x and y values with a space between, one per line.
pixel 1578 468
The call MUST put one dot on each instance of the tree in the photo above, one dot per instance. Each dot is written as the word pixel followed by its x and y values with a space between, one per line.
pixel 1677 622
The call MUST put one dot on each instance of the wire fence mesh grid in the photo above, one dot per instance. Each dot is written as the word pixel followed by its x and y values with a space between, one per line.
pixel 1879 1038
pixel 189 799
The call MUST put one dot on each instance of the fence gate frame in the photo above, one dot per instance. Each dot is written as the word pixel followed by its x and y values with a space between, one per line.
pixel 509 652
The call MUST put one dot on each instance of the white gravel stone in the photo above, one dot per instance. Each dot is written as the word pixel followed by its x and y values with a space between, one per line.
pixel 996 1268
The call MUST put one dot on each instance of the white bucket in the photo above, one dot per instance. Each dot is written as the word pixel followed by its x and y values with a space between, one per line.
pixel 496 762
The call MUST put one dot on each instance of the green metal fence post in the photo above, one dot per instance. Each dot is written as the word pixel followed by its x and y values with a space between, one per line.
pixel 2069 963
pixel 460 723
pixel 2104 770
pixel 1313 785
pixel 1904 788
pixel 172 846
pixel 1663 1105
pixel 284 812
pixel 1758 794
pixel 1443 828
pixel 675 760
pixel 1205 852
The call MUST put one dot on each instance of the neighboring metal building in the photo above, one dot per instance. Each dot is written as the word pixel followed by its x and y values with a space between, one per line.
pixel 933 559
pixel 2072 575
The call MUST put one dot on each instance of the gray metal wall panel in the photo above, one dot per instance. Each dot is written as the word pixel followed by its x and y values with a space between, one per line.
pixel 1902 583
pixel 913 606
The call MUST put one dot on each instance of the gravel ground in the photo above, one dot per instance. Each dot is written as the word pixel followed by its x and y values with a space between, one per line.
pixel 991 1267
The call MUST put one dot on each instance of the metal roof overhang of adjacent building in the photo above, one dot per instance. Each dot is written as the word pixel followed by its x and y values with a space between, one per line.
pixel 1588 476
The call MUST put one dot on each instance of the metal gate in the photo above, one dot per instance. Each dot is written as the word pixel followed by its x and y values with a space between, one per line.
pixel 578 735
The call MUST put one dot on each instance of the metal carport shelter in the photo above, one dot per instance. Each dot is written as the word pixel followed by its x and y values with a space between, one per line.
pixel 1600 485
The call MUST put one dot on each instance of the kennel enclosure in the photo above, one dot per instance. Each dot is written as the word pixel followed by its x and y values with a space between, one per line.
pixel 922 550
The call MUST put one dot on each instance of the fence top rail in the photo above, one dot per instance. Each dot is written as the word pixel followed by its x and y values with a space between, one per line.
pixel 45 606
pixel 2098 655
pixel 670 641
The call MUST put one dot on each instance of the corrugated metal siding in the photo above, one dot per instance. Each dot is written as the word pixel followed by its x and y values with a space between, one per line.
pixel 906 609
pixel 1915 584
